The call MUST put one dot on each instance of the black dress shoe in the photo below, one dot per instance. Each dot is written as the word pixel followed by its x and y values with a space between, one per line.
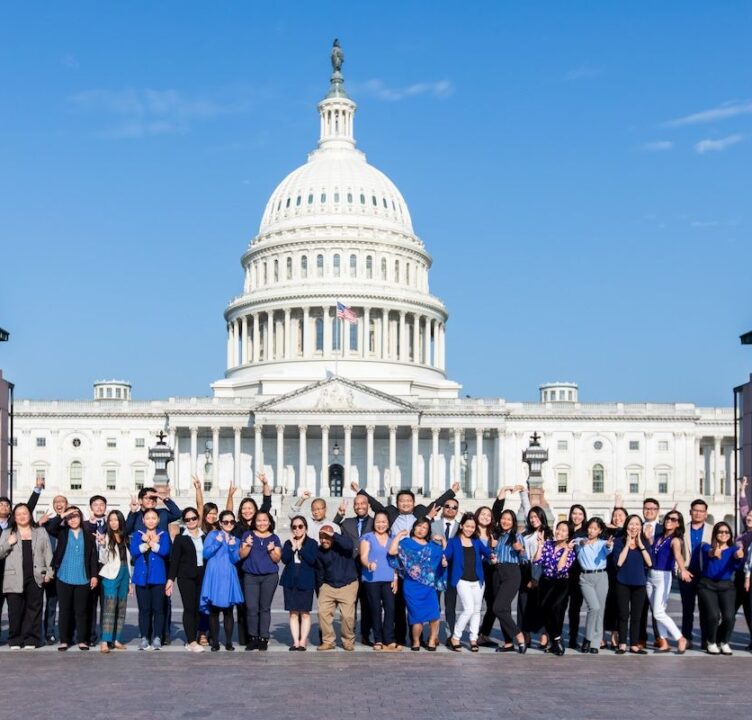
pixel 585 647
pixel 573 645
pixel 619 651
pixel 559 647
pixel 263 644
pixel 230 647
pixel 593 651
pixel 522 648
pixel 215 647
pixel 505 648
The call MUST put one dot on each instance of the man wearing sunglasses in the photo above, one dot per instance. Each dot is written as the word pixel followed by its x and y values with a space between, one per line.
pixel 148 498
pixel 446 526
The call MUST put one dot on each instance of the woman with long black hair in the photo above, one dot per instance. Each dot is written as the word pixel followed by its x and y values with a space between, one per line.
pixel 298 580
pixel 592 558
pixel 187 567
pixel 116 576
pixel 614 529
pixel 578 518
pixel 667 552
pixel 484 533
pixel 555 558
pixel 529 615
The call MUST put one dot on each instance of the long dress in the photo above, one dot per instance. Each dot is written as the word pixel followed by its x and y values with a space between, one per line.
pixel 221 587
pixel 420 566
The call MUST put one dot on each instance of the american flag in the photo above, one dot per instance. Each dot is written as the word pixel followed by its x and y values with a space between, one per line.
pixel 346 313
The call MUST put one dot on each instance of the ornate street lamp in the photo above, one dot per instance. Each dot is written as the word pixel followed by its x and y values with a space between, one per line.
pixel 161 454
pixel 534 456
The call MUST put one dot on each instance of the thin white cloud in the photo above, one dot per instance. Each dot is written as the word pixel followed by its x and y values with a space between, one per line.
pixel 722 112
pixel 142 113
pixel 70 61
pixel 710 145
pixel 583 72
pixel 658 146
pixel 440 89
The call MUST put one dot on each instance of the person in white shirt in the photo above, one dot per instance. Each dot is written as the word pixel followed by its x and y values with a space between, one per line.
pixel 316 519
pixel 446 526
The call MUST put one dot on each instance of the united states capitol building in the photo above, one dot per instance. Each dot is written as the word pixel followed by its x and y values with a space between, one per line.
pixel 316 402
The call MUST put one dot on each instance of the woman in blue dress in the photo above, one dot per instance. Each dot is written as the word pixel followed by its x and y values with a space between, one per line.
pixel 220 591
pixel 420 562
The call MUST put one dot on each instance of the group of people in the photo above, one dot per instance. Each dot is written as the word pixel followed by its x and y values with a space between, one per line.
pixel 397 562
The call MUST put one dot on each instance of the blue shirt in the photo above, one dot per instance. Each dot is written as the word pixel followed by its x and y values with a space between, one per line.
pixel 593 557
pixel 377 554
pixel 258 562
pixel 455 556
pixel 633 571
pixel 695 539
pixel 72 569
pixel 722 568
pixel 504 551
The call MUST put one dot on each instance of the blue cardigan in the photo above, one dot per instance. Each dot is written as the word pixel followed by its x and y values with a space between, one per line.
pixel 302 575
pixel 456 559
pixel 150 568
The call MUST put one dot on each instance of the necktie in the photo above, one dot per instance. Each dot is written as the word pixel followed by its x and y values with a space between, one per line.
pixel 446 532
pixel 360 526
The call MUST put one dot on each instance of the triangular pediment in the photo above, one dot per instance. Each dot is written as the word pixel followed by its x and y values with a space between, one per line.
pixel 335 395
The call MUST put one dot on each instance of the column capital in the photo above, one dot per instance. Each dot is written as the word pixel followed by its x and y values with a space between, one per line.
pixel 258 429
pixel 458 430
pixel 237 429
pixel 480 431
pixel 347 428
pixel 280 428
pixel 435 432
pixel 287 312
pixel 193 429
pixel 370 429
pixel 415 428
pixel 303 429
pixel 324 428
pixel 392 428
pixel 215 428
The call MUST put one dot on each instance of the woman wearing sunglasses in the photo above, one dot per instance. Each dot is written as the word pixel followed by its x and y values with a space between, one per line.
pixel 667 552
pixel 719 561
pixel 298 580
pixel 187 567
pixel 220 589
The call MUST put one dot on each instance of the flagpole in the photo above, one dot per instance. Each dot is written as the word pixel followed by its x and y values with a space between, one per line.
pixel 336 357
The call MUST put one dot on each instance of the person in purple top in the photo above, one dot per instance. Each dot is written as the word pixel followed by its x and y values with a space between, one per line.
pixel 719 561
pixel 743 596
pixel 260 551
pixel 555 558
pixel 632 552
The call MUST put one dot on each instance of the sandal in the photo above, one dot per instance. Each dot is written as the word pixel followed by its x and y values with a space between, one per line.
pixel 474 647
pixel 378 646
pixel 453 647
pixel 415 648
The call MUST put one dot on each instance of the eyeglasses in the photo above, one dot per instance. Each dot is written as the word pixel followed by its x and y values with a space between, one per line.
pixel 451 507
pixel 671 519
pixel 227 522
pixel 297 527
pixel 649 507
pixel 192 518
pixel 723 532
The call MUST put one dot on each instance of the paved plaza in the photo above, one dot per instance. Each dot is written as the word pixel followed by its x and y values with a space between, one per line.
pixel 174 683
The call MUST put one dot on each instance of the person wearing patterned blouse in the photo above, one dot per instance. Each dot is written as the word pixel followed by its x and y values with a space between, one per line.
pixel 555 558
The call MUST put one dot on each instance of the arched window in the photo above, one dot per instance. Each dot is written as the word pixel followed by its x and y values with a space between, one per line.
pixel 369 267
pixel 276 270
pixel 336 197
pixel 323 198
pixel 335 265
pixel 289 268
pixel 396 271
pixel 287 204
pixel 407 273
pixel 597 478
pixel 304 267
pixel 383 268
pixel 319 266
pixel 76 475
pixel 349 198
pixel 374 201
pixel 385 205
pixel 362 199
pixel 297 201
pixel 266 273
pixel 353 265
pixel 310 198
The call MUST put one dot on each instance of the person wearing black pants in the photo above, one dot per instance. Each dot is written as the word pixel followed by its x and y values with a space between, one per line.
pixel 633 559
pixel 578 518
pixel 555 557
pixel 151 610
pixel 187 567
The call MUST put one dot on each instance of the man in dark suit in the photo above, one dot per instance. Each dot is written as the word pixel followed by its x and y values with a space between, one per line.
pixel 402 516
pixel 96 526
pixel 355 528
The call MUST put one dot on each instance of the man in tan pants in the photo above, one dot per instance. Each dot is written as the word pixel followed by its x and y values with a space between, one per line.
pixel 337 579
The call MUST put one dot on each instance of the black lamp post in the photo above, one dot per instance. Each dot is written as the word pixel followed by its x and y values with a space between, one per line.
pixel 161 454
pixel 534 456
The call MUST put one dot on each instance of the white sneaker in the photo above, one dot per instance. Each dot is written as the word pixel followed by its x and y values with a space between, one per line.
pixel 156 644
pixel 196 648
pixel 144 644
pixel 15 647
pixel 725 649
pixel 713 649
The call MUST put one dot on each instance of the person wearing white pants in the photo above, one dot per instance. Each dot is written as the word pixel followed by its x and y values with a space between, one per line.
pixel 667 553
pixel 470 594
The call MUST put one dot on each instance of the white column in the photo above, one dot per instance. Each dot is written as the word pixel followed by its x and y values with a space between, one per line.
pixel 324 459
pixel 348 455
pixel 715 471
pixel 288 335
pixel 256 338
pixel 457 457
pixel 435 469
pixel 244 341
pixel 258 450
pixel 306 332
pixel 442 345
pixel 416 339
pixel 393 456
pixel 416 481
pixel 267 333
pixel 215 459
pixel 280 468
pixel 302 458
pixel 384 334
pixel 499 461
pixel 431 335
pixel 402 337
pixel 236 457
pixel 426 341
pixel 369 460
pixel 173 443
pixel 481 480
pixel 194 448
pixel 229 345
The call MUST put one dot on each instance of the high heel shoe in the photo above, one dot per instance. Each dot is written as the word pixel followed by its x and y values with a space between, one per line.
pixel 585 647
pixel 559 647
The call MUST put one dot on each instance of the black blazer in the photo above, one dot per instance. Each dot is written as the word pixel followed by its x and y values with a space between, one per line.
pixel 183 560
pixel 420 511
pixel 349 527
pixel 91 556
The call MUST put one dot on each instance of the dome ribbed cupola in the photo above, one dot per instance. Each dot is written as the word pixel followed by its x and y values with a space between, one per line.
pixel 336 230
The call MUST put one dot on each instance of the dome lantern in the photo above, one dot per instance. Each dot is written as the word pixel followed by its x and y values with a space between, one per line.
pixel 337 111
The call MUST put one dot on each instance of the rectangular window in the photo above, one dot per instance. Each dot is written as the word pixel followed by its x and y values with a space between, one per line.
pixel 15 442
pixel 40 474
pixel 561 482
pixel 663 483
pixel 139 477
pixel 111 442
pixel 562 445
pixel 140 442
pixel 111 479
pixel 41 442
pixel 354 336
pixel 663 446
pixel 634 483
pixel 634 444
pixel 76 476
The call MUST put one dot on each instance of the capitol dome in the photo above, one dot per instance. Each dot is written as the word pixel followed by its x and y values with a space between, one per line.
pixel 336 233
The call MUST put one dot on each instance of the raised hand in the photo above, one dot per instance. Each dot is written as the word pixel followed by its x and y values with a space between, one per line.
pixel 433 512
pixel 739 550
pixel 262 478
pixel 456 487
pixel 230 539
pixel 42 520
pixel 519 488
pixel 403 533
pixel 133 503
pixel 248 542
pixel 517 546
pixel 271 547
pixel 196 482
pixel 231 489
pixel 342 509
pixel 354 486
pixel 305 494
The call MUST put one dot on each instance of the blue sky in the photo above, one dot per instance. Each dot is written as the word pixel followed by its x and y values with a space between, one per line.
pixel 579 171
